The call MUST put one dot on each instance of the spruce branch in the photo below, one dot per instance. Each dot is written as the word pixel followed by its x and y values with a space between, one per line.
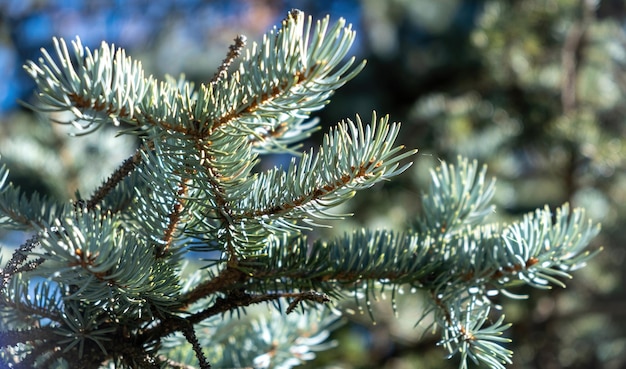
pixel 174 220
pixel 300 70
pixel 11 338
pixel 303 296
pixel 54 356
pixel 108 264
pixel 461 270
pixel 127 167
pixel 458 195
pixel 97 87
pixel 16 262
pixel 21 212
pixel 233 301
pixel 229 278
pixel 107 274
pixel 233 52
pixel 19 304
pixel 190 335
pixel 353 156
pixel 49 347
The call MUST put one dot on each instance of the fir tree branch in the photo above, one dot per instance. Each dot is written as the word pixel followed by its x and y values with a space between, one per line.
pixel 127 167
pixel 347 262
pixel 174 219
pixel 225 281
pixel 34 311
pixel 47 346
pixel 113 279
pixel 190 335
pixel 106 86
pixel 18 211
pixel 353 157
pixel 11 338
pixel 225 213
pixel 300 64
pixel 92 90
pixel 238 299
pixel 459 195
pixel 233 52
pixel 105 263
pixel 32 265
pixel 233 301
pixel 15 263
pixel 302 296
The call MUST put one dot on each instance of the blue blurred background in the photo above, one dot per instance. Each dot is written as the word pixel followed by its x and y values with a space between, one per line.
pixel 189 35
pixel 175 31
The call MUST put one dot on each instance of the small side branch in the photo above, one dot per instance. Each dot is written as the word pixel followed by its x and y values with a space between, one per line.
pixel 314 296
pixel 14 265
pixel 233 301
pixel 173 221
pixel 233 52
pixel 32 265
pixel 127 167
pixel 242 299
pixel 34 311
pixel 190 335
pixel 229 278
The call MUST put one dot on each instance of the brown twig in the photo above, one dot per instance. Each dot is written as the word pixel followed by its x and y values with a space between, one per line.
pixel 228 278
pixel 233 52
pixel 225 212
pixel 242 299
pixel 190 335
pixel 314 296
pixel 234 300
pixel 31 265
pixel 127 167
pixel 173 220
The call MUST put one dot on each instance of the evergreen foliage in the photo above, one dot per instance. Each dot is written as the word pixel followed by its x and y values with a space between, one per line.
pixel 104 280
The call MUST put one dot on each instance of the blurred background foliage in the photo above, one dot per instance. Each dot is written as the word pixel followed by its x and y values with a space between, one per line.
pixel 533 88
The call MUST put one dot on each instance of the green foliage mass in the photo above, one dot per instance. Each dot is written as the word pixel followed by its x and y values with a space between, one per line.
pixel 105 281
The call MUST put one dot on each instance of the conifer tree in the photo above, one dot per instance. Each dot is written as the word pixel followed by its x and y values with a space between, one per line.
pixel 104 281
